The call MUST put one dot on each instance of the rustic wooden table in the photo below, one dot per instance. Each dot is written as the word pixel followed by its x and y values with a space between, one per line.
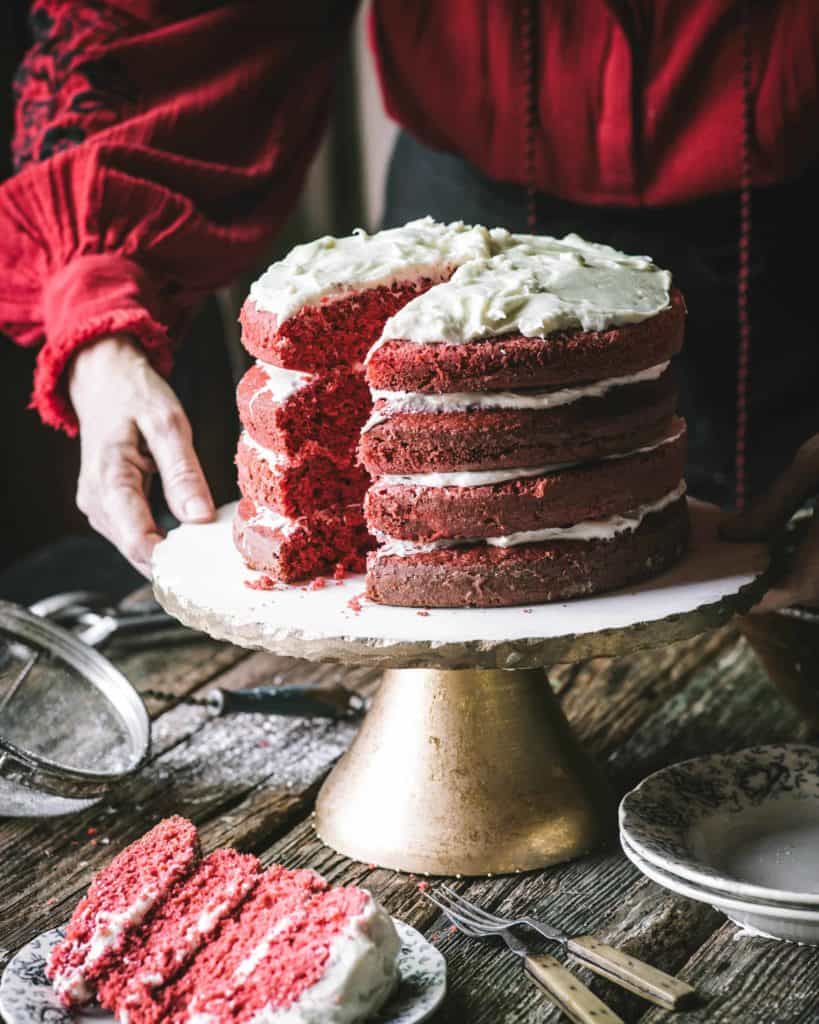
pixel 250 782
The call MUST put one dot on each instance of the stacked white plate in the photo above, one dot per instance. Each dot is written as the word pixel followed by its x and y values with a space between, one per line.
pixel 739 831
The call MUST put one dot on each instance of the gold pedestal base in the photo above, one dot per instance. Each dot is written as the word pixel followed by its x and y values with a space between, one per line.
pixel 464 771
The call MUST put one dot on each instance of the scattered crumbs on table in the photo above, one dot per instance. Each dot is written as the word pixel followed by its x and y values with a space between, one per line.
pixel 528 611
pixel 263 743
pixel 319 583
pixel 423 613
pixel 354 604
pixel 340 572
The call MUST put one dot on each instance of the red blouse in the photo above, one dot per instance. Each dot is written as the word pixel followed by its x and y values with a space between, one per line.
pixel 160 143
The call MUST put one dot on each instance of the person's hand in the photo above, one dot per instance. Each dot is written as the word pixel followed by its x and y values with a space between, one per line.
pixel 771 510
pixel 131 426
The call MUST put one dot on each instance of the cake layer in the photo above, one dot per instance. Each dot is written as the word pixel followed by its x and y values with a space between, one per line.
pixel 118 901
pixel 512 361
pixel 283 410
pixel 289 550
pixel 483 575
pixel 338 333
pixel 297 950
pixel 300 486
pixel 162 946
pixel 429 506
pixel 620 421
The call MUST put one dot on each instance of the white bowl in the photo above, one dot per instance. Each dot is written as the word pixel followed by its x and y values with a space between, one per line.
pixel 744 824
pixel 772 921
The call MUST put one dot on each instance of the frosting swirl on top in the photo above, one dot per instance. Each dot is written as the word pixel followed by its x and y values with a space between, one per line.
pixel 329 267
pixel 534 285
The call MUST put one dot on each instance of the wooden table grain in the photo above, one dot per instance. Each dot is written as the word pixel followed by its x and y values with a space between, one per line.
pixel 251 782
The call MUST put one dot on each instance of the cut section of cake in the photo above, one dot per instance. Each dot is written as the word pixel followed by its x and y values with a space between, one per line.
pixel 298 950
pixel 160 948
pixel 120 898
pixel 163 938
pixel 287 550
pixel 326 302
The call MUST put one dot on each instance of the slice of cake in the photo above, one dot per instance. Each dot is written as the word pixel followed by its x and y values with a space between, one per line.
pixel 120 898
pixel 163 938
pixel 298 950
pixel 159 949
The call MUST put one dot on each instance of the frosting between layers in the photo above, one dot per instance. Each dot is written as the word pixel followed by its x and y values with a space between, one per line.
pixel 268 519
pixel 328 267
pixel 281 383
pixel 534 285
pixel 398 402
pixel 486 477
pixel 273 459
pixel 591 529
pixel 359 975
pixel 358 978
pixel 108 929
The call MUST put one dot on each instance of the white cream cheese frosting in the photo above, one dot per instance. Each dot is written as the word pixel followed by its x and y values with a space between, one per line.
pixel 591 529
pixel 486 477
pixel 534 285
pixel 328 267
pixel 397 402
pixel 279 383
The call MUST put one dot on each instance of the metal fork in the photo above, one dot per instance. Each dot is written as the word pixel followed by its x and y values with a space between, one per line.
pixel 621 968
pixel 566 991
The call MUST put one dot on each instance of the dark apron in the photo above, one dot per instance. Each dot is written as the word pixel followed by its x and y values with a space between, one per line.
pixel 698 243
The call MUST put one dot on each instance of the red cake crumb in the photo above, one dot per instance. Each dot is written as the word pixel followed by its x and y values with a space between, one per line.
pixel 118 901
pixel 301 485
pixel 354 604
pixel 329 410
pixel 272 951
pixel 301 548
pixel 338 332
pixel 262 583
pixel 162 946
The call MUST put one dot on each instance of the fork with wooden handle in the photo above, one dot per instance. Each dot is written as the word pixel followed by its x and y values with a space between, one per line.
pixel 566 991
pixel 617 966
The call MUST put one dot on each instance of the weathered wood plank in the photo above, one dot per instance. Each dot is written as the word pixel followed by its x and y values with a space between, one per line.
pixel 710 685
pixel 202 767
pixel 749 979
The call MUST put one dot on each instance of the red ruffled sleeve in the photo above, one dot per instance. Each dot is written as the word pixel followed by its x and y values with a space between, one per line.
pixel 159 144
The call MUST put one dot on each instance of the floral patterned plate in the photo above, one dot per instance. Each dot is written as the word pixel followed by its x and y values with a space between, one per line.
pixel 26 996
pixel 774 921
pixel 743 824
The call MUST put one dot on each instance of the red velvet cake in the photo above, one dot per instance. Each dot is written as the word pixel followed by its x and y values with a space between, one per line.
pixel 522 438
pixel 162 946
pixel 223 942
pixel 119 900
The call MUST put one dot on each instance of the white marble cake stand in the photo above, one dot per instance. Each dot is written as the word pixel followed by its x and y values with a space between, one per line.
pixel 465 763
